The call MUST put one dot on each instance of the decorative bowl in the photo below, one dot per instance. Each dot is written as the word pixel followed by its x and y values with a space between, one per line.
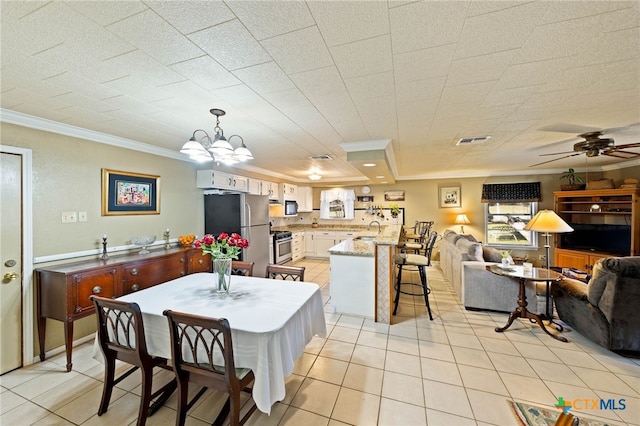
pixel 186 240
pixel 143 241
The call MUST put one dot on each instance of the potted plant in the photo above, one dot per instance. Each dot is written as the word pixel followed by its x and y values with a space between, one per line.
pixel 395 211
pixel 314 222
pixel 576 183
pixel 506 258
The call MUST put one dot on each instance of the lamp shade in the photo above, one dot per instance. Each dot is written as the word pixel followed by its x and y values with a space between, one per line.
pixel 547 221
pixel 462 219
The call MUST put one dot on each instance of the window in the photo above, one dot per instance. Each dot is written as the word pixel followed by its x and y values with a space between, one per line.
pixel 505 222
pixel 337 204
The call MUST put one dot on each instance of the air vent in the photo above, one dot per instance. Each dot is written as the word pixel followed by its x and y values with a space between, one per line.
pixel 473 140
pixel 321 157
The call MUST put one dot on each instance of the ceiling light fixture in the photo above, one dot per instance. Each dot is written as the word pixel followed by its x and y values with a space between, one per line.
pixel 369 165
pixel 218 149
pixel 315 176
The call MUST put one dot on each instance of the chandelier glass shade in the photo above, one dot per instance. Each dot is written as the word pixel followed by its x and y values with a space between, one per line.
pixel 217 149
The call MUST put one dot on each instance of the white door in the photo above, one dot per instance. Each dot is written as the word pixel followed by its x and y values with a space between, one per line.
pixel 11 344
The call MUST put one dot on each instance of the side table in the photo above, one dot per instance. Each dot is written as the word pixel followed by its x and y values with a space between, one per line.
pixel 536 274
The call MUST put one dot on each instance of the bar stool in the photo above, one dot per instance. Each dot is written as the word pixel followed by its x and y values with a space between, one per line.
pixel 421 262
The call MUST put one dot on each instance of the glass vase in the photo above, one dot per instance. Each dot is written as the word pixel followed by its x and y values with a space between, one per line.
pixel 222 274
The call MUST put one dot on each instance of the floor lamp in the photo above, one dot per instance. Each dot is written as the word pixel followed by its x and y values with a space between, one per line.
pixel 549 222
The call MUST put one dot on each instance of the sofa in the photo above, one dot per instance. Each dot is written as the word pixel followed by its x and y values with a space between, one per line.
pixel 463 261
pixel 606 309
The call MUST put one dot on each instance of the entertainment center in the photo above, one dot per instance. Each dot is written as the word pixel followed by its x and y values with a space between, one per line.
pixel 606 223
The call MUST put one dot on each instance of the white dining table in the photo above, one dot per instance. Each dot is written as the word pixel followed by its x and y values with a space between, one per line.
pixel 271 322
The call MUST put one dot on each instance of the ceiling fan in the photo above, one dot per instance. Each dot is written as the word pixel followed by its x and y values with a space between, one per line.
pixel 593 146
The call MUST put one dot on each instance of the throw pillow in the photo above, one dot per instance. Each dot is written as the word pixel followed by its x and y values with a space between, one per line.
pixel 470 250
pixel 491 254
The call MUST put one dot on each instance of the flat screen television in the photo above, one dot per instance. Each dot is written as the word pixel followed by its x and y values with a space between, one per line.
pixel 614 239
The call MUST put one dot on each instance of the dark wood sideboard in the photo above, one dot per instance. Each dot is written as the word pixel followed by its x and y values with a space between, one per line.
pixel 63 290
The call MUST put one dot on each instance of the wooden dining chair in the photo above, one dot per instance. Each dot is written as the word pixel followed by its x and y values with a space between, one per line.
pixel 121 337
pixel 281 272
pixel 239 267
pixel 202 353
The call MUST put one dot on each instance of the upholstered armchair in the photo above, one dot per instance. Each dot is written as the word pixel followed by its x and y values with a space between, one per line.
pixel 607 309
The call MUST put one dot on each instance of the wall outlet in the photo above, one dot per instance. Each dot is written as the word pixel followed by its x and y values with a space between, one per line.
pixel 69 217
pixel 82 216
pixel 542 258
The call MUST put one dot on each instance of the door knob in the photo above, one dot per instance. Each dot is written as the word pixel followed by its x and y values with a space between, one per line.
pixel 10 276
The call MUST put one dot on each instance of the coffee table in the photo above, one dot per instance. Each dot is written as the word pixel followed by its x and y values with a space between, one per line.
pixel 536 274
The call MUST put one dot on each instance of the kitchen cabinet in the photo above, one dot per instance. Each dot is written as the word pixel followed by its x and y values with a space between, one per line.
pixel 221 180
pixel 270 189
pixel 309 244
pixel 305 199
pixel 318 243
pixel 297 246
pixel 255 187
pixel 324 241
pixel 63 291
pixel 288 192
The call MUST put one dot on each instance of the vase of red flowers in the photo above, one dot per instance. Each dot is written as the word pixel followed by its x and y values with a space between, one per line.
pixel 223 250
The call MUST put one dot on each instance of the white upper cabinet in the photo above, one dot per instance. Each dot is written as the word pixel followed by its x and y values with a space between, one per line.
pixel 305 199
pixel 255 187
pixel 270 189
pixel 221 180
pixel 288 192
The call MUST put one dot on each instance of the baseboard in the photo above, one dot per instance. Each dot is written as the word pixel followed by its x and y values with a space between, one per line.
pixel 61 349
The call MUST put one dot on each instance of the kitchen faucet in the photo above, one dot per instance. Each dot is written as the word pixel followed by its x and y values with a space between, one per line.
pixel 371 223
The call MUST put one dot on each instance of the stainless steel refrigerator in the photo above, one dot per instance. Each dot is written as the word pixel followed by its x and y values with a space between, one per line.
pixel 248 215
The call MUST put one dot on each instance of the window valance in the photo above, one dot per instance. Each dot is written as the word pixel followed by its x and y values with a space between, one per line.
pixel 511 192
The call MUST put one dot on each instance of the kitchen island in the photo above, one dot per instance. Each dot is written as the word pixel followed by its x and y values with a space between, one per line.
pixel 362 273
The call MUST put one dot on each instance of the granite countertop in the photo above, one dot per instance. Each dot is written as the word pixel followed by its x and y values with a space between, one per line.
pixel 308 227
pixel 390 235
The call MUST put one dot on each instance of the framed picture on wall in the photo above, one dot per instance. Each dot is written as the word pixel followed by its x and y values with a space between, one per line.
pixel 450 196
pixel 126 193
pixel 394 195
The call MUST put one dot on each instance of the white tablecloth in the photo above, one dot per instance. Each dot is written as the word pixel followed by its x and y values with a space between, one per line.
pixel 271 322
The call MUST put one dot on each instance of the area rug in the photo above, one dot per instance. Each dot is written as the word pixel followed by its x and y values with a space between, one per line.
pixel 535 415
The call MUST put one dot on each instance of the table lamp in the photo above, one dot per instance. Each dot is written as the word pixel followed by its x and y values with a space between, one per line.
pixel 462 220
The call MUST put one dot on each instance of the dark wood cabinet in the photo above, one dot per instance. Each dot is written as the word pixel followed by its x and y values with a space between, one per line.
pixel 198 262
pixel 143 274
pixel 597 213
pixel 64 290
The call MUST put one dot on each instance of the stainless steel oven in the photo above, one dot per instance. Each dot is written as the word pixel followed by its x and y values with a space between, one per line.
pixel 282 247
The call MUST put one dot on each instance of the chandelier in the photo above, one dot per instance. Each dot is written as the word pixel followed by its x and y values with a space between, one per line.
pixel 217 149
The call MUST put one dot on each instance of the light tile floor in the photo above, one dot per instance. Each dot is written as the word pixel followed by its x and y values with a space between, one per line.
pixel 454 370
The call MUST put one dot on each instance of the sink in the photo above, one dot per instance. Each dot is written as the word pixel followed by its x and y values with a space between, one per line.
pixel 364 238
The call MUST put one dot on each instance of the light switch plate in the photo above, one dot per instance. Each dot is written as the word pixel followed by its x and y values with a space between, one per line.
pixel 69 217
pixel 82 216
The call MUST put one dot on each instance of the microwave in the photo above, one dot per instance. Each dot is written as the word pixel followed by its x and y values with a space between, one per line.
pixel 290 208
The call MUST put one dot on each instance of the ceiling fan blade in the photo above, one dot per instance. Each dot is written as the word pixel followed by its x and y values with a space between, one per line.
pixel 557 153
pixel 556 159
pixel 629 145
pixel 568 128
pixel 625 154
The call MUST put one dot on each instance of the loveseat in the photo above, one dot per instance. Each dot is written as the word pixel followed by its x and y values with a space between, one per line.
pixel 606 309
pixel 463 261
